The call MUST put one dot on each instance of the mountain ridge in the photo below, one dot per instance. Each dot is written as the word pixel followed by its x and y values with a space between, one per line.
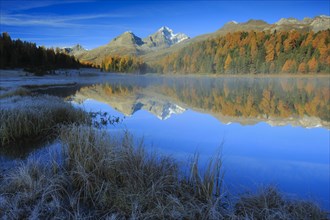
pixel 164 42
pixel 130 44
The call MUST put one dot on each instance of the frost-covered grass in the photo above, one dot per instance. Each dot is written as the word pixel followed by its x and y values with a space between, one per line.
pixel 107 177
pixel 26 118
pixel 20 91
pixel 269 203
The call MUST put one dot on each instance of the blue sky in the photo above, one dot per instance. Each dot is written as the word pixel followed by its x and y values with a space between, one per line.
pixel 94 22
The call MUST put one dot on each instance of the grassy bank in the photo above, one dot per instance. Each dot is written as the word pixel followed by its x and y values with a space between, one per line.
pixel 27 118
pixel 105 177
pixel 99 176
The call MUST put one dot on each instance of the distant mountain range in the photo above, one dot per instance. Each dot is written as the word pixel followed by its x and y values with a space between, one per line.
pixel 75 50
pixel 164 41
pixel 285 24
pixel 130 44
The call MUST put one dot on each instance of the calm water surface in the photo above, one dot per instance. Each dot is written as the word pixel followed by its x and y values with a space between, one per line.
pixel 271 131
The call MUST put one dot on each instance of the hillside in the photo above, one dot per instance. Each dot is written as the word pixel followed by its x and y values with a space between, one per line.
pixel 315 24
pixel 253 52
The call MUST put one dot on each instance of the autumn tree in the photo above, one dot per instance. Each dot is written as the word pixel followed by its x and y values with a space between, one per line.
pixel 228 63
pixel 289 66
pixel 302 68
pixel 313 65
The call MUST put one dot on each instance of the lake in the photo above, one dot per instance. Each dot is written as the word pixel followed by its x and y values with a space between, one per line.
pixel 271 131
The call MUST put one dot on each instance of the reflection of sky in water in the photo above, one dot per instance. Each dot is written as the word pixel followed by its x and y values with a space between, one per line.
pixel 294 158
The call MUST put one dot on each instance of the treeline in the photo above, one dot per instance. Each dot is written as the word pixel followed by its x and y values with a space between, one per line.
pixel 22 54
pixel 253 52
pixel 124 64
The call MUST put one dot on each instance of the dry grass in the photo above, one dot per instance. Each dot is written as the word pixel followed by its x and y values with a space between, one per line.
pixel 114 176
pixel 20 91
pixel 25 118
pixel 104 177
pixel 268 203
pixel 99 176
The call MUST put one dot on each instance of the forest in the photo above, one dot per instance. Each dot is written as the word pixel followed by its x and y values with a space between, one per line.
pixel 37 59
pixel 253 52
pixel 124 64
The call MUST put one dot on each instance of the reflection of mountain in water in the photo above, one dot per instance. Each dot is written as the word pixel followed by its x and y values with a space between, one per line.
pixel 129 100
pixel 278 101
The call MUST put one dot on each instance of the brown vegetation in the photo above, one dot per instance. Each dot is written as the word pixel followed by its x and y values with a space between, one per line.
pixel 105 177
pixel 25 118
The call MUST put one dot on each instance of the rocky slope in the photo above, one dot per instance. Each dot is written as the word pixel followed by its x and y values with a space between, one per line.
pixel 76 50
pixel 315 24
pixel 164 38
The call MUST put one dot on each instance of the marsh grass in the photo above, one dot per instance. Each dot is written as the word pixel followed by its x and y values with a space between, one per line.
pixel 106 177
pixel 269 203
pixel 20 91
pixel 29 118
pixel 115 175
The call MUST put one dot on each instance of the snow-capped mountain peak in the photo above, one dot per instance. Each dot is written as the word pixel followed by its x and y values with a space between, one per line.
pixel 165 28
pixel 171 36
pixel 165 37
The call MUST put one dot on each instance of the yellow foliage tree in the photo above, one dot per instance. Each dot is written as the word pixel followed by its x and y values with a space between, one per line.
pixel 289 66
pixel 228 62
pixel 302 68
pixel 313 65
pixel 270 52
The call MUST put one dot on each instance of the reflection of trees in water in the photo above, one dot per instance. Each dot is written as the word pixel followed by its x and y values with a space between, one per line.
pixel 249 97
pixel 111 89
pixel 246 97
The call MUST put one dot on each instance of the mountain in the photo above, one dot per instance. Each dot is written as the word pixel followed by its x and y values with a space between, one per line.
pixel 130 44
pixel 255 25
pixel 315 24
pixel 75 50
pixel 164 38
pixel 125 44
pixel 165 42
